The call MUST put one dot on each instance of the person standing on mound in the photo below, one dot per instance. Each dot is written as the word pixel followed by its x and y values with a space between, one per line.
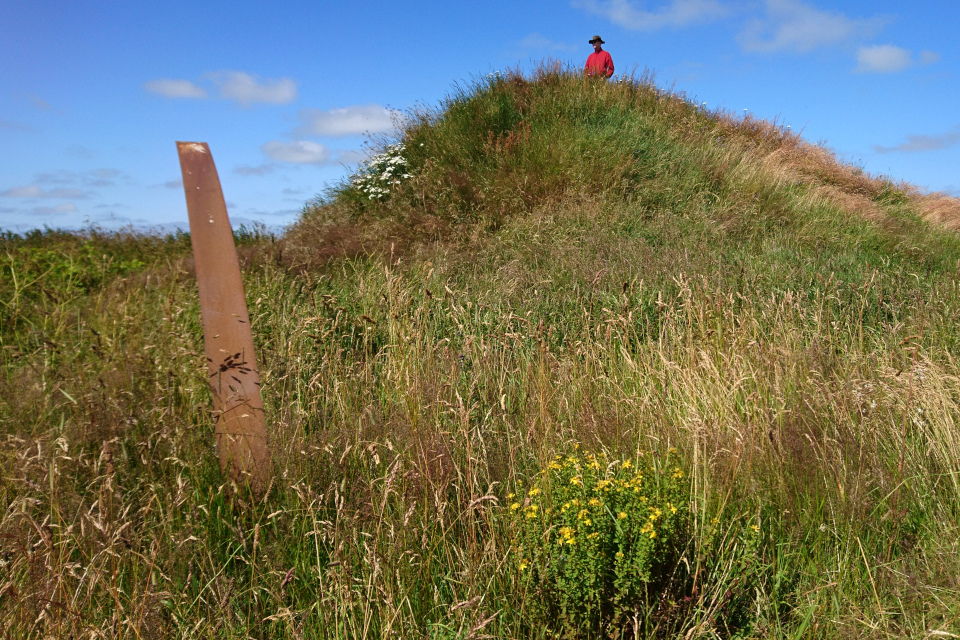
pixel 599 63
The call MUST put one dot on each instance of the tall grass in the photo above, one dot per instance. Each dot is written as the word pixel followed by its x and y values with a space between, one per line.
pixel 658 282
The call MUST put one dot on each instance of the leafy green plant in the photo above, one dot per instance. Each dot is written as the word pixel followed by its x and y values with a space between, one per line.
pixel 599 537
pixel 381 173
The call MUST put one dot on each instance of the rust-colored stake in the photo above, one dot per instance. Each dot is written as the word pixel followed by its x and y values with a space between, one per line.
pixel 241 431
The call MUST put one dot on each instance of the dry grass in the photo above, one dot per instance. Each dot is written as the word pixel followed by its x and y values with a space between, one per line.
pixel 717 297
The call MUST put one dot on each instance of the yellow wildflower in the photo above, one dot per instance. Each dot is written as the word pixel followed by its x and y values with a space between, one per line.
pixel 621 515
pixel 514 506
pixel 524 564
pixel 594 502
pixel 534 492
pixel 626 464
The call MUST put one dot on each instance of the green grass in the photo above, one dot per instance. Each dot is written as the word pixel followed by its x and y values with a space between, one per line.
pixel 570 265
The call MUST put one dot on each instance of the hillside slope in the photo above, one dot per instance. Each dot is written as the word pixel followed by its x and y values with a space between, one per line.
pixel 569 359
pixel 510 145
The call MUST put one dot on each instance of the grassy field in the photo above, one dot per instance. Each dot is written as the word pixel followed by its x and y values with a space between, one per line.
pixel 570 359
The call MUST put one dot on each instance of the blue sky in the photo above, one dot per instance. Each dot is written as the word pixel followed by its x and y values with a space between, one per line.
pixel 93 95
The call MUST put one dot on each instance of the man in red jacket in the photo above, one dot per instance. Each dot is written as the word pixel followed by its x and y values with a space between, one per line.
pixel 599 63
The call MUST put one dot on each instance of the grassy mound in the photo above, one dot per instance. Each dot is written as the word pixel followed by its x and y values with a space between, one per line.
pixel 570 359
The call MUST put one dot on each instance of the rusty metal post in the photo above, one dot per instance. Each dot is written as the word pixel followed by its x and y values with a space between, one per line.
pixel 241 432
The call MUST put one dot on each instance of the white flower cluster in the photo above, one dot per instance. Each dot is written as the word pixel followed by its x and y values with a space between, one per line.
pixel 381 172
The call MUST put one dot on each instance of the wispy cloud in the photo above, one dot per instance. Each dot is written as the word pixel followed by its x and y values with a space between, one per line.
pixel 36 191
pixel 350 157
pixel 60 209
pixel 347 121
pixel 247 90
pixel 39 104
pixel 78 151
pixel 173 184
pixel 298 151
pixel 16 126
pixel 104 177
pixel 243 88
pixel 636 16
pixel 172 88
pixel 920 142
pixel 539 42
pixel 888 58
pixel 260 170
pixel 790 25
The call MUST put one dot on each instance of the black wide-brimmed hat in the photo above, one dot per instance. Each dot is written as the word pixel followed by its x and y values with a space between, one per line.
pixel 595 38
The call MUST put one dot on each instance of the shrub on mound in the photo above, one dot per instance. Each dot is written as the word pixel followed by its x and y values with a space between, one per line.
pixel 613 547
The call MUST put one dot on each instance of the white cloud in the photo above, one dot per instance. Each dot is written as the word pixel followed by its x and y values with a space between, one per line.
pixel 348 121
pixel 36 191
pixel 243 88
pixel 882 58
pixel 298 151
pixel 675 13
pixel 248 90
pixel 29 191
pixel 887 58
pixel 919 142
pixel 170 88
pixel 790 25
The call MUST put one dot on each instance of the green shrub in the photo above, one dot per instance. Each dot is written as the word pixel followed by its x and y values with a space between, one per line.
pixel 612 548
pixel 600 538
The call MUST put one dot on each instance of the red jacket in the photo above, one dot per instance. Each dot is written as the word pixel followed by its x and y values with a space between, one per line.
pixel 599 63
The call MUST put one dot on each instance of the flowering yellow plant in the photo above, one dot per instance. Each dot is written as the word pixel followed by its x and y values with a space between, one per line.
pixel 593 533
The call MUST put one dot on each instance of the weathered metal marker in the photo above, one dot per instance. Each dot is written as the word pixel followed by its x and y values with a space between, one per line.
pixel 241 431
